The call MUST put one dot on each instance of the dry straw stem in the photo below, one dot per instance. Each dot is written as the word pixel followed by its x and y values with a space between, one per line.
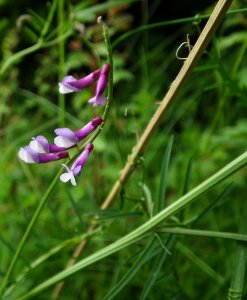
pixel 195 54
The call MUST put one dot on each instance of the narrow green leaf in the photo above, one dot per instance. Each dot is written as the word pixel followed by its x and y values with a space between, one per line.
pixel 159 260
pixel 205 233
pixel 157 265
pixel 148 199
pixel 188 177
pixel 200 263
pixel 141 231
pixel 163 175
pixel 239 273
pixel 37 262
pixel 211 206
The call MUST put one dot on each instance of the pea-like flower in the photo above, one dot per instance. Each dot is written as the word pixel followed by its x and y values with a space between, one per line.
pixel 70 84
pixel 68 138
pixel 77 166
pixel 99 98
pixel 41 145
pixel 30 156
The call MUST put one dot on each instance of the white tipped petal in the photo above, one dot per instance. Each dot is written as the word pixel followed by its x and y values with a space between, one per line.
pixel 25 156
pixel 64 90
pixel 61 141
pixel 37 147
pixel 68 176
pixel 72 180
pixel 65 177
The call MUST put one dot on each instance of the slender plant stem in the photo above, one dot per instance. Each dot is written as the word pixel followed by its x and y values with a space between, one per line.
pixel 49 18
pixel 144 229
pixel 51 187
pixel 81 246
pixel 61 62
pixel 42 44
pixel 19 55
pixel 197 51
pixel 196 18
pixel 238 277
pixel 26 234
pixel 50 253
pixel 76 253
pixel 110 61
pixel 34 47
pixel 205 233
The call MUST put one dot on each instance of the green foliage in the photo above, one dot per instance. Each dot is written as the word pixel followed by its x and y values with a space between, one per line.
pixel 192 252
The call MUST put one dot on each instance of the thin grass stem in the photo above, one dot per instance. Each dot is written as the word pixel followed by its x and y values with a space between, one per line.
pixel 13 58
pixel 239 273
pixel 80 247
pixel 144 229
pixel 61 61
pixel 27 233
pixel 205 233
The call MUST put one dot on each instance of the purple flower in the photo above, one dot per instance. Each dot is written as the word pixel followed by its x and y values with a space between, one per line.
pixel 77 166
pixel 30 156
pixel 99 98
pixel 70 84
pixel 68 138
pixel 41 145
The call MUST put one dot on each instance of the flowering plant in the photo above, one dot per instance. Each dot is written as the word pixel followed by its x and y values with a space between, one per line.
pixel 40 151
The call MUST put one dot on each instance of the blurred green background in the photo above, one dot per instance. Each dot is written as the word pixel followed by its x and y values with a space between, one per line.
pixel 207 120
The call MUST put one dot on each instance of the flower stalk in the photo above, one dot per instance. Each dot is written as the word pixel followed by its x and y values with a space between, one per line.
pixel 55 180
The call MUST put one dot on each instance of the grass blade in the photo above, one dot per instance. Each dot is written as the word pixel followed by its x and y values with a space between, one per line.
pixel 238 277
pixel 163 176
pixel 141 231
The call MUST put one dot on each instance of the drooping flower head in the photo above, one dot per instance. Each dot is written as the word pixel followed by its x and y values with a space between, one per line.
pixel 68 138
pixel 41 145
pixel 77 166
pixel 30 156
pixel 99 98
pixel 70 84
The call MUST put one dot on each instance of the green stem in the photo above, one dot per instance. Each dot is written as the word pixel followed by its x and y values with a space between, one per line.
pixel 110 90
pixel 143 230
pixel 34 47
pixel 49 18
pixel 110 77
pixel 50 253
pixel 61 61
pixel 27 233
pixel 238 276
pixel 51 187
pixel 81 246
pixel 205 233
pixel 19 55
pixel 239 59
pixel 195 18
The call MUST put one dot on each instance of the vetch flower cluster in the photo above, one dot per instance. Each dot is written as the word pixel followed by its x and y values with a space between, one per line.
pixel 70 84
pixel 40 151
